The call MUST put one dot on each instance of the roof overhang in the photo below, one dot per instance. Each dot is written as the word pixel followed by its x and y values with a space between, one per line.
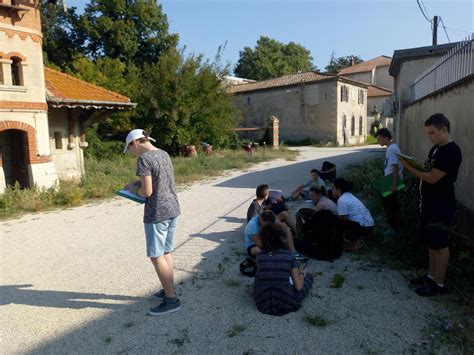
pixel 88 104
pixel 403 55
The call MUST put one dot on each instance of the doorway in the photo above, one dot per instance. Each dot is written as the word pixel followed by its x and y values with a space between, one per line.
pixel 14 156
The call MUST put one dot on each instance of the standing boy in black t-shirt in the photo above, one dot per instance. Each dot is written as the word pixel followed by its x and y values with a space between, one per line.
pixel 438 203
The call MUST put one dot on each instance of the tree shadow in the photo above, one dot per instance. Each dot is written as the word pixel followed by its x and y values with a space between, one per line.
pixel 24 295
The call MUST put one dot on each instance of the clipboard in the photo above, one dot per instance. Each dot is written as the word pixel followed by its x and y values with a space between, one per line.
pixel 385 185
pixel 131 196
pixel 410 160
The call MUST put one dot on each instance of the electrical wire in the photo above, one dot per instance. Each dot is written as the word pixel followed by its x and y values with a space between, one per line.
pixel 421 9
pixel 444 27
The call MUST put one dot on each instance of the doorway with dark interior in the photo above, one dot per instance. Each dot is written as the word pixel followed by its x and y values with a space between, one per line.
pixel 14 157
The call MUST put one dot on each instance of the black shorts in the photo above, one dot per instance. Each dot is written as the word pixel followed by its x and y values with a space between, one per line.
pixel 436 226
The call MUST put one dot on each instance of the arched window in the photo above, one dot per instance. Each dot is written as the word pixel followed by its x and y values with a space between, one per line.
pixel 17 71
pixel 353 122
pixel 344 125
pixel 361 126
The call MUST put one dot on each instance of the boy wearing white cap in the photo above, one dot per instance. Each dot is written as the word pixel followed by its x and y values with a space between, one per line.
pixel 156 183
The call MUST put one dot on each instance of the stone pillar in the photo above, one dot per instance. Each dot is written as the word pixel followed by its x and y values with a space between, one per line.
pixel 274 126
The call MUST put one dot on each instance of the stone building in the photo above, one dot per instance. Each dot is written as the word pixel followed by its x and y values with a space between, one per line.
pixel 308 105
pixel 43 113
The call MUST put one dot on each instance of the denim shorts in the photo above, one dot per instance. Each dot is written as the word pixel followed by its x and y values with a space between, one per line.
pixel 159 237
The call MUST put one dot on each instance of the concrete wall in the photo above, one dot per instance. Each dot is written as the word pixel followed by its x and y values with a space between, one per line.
pixel 378 101
pixel 409 70
pixel 383 78
pixel 349 109
pixel 68 158
pixel 457 105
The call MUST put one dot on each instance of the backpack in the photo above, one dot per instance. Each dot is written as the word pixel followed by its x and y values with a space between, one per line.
pixel 323 231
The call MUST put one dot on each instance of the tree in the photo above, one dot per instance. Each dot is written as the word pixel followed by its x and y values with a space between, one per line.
pixel 271 59
pixel 132 31
pixel 336 64
pixel 60 43
pixel 190 104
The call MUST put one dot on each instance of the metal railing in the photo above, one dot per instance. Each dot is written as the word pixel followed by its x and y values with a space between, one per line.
pixel 455 65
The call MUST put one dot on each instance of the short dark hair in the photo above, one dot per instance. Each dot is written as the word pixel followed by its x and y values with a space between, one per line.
pixel 261 190
pixel 268 216
pixel 439 121
pixel 315 171
pixel 383 132
pixel 272 237
pixel 343 184
pixel 318 190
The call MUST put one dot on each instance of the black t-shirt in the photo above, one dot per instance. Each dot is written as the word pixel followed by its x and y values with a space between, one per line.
pixel 446 158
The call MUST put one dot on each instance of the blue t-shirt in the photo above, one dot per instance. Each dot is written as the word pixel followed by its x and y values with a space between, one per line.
pixel 250 230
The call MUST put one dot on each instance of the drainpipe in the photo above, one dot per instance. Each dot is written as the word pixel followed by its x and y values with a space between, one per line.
pixel 70 129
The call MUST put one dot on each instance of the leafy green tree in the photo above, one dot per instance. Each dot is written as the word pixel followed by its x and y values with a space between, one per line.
pixel 133 31
pixel 60 42
pixel 182 101
pixel 271 58
pixel 336 64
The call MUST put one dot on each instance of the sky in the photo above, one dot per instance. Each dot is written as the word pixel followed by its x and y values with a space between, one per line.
pixel 346 27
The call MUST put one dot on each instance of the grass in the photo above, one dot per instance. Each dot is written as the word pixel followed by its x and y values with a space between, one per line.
pixel 337 280
pixel 236 330
pixel 315 320
pixel 104 177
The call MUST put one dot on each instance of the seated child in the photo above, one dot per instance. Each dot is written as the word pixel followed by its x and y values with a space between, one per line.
pixel 279 286
pixel 257 205
pixel 357 220
pixel 328 171
pixel 276 203
pixel 303 190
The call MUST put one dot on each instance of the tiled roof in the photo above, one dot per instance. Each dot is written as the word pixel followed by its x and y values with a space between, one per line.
pixel 63 88
pixel 375 91
pixel 287 80
pixel 366 66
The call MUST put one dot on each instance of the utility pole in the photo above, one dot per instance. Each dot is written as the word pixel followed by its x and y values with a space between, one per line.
pixel 435 30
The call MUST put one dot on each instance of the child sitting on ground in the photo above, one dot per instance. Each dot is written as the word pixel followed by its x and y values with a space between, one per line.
pixel 280 286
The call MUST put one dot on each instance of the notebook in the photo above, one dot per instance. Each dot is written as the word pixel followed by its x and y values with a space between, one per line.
pixel 410 160
pixel 131 196
pixel 385 185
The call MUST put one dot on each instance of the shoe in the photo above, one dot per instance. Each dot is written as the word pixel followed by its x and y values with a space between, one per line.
pixel 424 280
pixel 432 290
pixel 160 295
pixel 165 307
pixel 299 257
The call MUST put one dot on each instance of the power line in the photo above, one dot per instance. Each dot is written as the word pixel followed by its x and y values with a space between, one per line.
pixel 426 10
pixel 455 29
pixel 421 9
pixel 444 27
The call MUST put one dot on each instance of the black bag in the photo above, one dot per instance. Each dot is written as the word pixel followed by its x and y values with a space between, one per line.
pixel 322 236
pixel 248 267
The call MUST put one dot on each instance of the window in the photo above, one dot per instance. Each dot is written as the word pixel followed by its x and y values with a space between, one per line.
pixel 360 126
pixel 17 75
pixel 324 96
pixel 344 93
pixel 360 99
pixel 248 101
pixel 58 139
pixel 353 122
pixel 344 121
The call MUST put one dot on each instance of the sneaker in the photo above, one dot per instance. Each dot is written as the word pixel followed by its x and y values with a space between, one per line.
pixel 160 295
pixel 165 307
pixel 299 257
pixel 432 290
pixel 421 280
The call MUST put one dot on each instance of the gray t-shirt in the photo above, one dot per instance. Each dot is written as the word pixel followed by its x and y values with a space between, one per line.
pixel 163 203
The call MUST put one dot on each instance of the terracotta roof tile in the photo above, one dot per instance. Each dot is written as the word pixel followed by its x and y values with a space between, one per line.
pixel 66 87
pixel 286 80
pixel 366 66
pixel 375 91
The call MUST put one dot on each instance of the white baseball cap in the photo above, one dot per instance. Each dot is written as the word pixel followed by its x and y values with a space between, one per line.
pixel 135 134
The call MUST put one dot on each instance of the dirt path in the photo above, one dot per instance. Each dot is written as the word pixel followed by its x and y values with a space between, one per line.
pixel 78 281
